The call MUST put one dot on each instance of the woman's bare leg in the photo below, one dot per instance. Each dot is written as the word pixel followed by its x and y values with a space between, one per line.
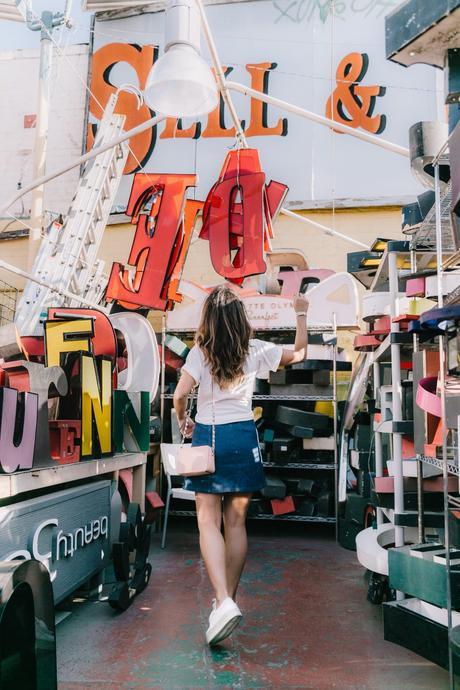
pixel 212 544
pixel 236 540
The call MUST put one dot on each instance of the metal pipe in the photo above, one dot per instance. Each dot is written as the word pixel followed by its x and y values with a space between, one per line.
pixel 396 402
pixel 377 440
pixel 95 151
pixel 163 371
pixel 420 515
pixel 41 136
pixel 159 488
pixel 442 366
pixel 285 105
pixel 29 276
pixel 221 81
pixel 438 223
pixel 335 420
pixel 442 382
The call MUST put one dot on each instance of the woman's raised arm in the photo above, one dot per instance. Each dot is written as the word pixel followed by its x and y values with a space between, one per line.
pixel 183 389
pixel 299 353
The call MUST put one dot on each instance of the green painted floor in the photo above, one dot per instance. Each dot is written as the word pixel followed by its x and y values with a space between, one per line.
pixel 306 624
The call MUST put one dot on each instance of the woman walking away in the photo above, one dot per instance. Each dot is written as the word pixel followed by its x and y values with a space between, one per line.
pixel 225 362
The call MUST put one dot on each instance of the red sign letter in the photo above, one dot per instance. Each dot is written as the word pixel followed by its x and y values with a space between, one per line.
pixel 159 233
pixel 242 224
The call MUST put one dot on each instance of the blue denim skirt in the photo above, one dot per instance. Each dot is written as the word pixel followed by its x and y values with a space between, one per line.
pixel 237 457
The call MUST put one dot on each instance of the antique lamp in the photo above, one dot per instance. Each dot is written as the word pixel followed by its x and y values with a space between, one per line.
pixel 181 83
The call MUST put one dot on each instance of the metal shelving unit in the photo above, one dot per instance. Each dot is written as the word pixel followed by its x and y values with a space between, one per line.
pixel 389 275
pixel 431 248
pixel 398 262
pixel 298 466
pixel 326 467
pixel 257 396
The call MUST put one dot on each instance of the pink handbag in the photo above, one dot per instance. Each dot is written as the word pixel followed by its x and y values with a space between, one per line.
pixel 193 461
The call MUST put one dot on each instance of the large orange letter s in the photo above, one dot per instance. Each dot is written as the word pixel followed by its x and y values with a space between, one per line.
pixel 141 59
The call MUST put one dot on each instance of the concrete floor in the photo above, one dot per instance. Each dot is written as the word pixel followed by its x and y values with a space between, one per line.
pixel 306 624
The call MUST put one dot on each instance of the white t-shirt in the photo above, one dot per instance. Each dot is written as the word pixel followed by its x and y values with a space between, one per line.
pixel 232 404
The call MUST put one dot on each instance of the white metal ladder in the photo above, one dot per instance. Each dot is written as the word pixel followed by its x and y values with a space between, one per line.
pixel 67 258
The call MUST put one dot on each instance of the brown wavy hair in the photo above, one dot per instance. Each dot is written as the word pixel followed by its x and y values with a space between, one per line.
pixel 223 335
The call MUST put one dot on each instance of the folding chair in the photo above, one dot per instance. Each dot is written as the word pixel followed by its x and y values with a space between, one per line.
pixel 168 459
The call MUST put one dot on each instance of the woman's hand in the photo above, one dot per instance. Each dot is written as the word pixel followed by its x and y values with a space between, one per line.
pixel 186 427
pixel 300 303
pixel 299 353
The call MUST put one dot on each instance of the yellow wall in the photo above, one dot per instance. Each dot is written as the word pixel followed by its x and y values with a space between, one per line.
pixel 14 252
pixel 321 250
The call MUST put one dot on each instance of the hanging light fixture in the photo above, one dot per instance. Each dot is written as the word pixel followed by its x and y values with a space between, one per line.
pixel 181 83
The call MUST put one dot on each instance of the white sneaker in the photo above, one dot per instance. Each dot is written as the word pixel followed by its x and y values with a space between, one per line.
pixel 222 621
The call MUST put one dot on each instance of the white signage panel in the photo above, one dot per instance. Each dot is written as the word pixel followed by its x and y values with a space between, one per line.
pixel 68 531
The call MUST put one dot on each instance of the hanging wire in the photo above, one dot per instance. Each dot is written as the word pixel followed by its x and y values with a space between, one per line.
pixel 148 36
pixel 44 235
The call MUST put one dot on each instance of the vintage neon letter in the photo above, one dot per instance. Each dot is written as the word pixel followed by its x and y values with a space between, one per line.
pixel 103 341
pixel 96 405
pixel 17 444
pixel 143 370
pixel 62 337
pixel 258 125
pixel 141 59
pixel 36 378
pixel 130 430
pixel 158 233
pixel 249 259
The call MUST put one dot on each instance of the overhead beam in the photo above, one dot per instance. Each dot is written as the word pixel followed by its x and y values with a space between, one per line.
pixel 319 119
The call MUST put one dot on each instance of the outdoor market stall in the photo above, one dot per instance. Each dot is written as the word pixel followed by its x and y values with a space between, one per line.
pixel 86 381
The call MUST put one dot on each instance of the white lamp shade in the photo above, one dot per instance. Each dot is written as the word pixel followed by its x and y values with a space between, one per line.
pixel 181 84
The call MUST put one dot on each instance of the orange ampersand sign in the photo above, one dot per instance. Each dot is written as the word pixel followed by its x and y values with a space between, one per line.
pixel 353 104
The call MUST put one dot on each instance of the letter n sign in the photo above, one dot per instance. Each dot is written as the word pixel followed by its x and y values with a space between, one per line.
pixel 156 205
